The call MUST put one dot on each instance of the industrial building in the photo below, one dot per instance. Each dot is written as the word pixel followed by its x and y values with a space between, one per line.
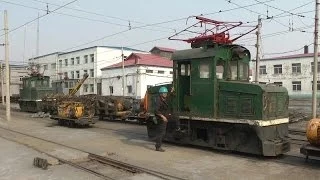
pixel 140 71
pixel 17 72
pixel 72 65
pixel 294 72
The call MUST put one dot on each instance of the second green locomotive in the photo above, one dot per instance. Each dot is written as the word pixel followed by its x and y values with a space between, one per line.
pixel 34 88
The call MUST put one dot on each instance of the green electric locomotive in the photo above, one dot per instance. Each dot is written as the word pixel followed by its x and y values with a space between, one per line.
pixel 34 88
pixel 217 105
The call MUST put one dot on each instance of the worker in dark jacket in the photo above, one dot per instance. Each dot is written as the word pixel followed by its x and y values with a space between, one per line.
pixel 163 114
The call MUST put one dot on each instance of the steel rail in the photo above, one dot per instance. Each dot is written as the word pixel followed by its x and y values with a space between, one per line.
pixel 110 161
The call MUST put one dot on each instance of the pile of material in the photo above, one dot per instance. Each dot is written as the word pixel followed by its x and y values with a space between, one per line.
pixel 296 115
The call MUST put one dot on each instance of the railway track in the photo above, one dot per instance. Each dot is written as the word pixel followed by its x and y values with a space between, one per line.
pixel 94 157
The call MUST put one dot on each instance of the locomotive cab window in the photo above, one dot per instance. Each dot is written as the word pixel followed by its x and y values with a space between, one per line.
pixel 204 70
pixel 219 70
pixel 185 69
pixel 238 70
pixel 33 83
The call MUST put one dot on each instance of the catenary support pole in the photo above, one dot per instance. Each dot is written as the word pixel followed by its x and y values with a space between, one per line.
pixel 8 115
pixel 315 69
pixel 258 50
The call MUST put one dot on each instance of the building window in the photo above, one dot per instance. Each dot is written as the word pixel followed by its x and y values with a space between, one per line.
pixel 91 72
pixel 60 63
pixel 149 71
pixel 318 85
pixel 129 89
pixel 72 61
pixel 66 75
pixel 277 69
pixel 85 88
pixel 85 59
pixel 78 60
pixel 77 74
pixel 45 67
pixel 312 66
pixel 296 67
pixel 171 72
pixel 66 62
pixel 91 88
pixel 263 70
pixel 85 71
pixel 278 83
pixel 160 72
pixel 53 66
pixel 204 70
pixel 111 89
pixel 92 57
pixel 296 85
pixel 72 74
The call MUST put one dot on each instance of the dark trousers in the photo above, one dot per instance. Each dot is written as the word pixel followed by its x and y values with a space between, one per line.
pixel 161 132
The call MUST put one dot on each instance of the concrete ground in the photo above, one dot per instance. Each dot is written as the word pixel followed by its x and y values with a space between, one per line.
pixel 16 163
pixel 129 143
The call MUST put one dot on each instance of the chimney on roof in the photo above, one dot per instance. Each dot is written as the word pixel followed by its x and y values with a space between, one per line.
pixel 306 49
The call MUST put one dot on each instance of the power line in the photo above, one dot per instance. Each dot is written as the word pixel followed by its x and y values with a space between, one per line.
pixel 79 17
pixel 296 8
pixel 258 13
pixel 285 52
pixel 298 15
pixel 98 14
pixel 279 33
pixel 14 29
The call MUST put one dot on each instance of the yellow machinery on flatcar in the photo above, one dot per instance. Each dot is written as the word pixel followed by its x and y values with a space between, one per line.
pixel 69 108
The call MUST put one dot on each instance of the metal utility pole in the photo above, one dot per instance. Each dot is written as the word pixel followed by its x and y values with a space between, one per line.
pixel 24 44
pixel 258 50
pixel 7 66
pixel 2 88
pixel 38 37
pixel 122 56
pixel 315 69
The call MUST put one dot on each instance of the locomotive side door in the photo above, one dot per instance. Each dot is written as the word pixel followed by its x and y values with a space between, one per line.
pixel 183 80
pixel 202 87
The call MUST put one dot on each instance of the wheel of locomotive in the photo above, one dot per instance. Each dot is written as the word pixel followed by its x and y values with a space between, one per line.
pixel 60 122
pixel 140 121
pixel 72 124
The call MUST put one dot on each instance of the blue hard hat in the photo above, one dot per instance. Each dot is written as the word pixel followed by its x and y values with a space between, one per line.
pixel 163 90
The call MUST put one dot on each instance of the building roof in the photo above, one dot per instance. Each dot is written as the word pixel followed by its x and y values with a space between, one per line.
pixel 163 49
pixel 46 55
pixel 143 59
pixel 111 47
pixel 291 56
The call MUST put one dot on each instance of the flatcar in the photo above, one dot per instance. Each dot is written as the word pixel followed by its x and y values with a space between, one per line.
pixel 216 104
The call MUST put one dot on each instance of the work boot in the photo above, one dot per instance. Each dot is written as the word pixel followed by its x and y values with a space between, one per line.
pixel 160 149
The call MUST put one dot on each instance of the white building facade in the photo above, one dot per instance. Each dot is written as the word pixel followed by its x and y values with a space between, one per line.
pixel 74 64
pixel 293 72
pixel 140 71
pixel 17 72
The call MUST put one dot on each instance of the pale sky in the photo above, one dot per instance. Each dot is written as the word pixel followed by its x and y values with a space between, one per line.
pixel 68 28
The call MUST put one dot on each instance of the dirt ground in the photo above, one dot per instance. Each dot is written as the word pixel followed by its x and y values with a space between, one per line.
pixel 129 143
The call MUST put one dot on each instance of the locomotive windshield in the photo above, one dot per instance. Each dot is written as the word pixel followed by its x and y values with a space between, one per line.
pixel 238 70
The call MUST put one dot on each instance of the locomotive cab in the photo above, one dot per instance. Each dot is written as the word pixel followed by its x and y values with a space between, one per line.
pixel 218 106
pixel 34 88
